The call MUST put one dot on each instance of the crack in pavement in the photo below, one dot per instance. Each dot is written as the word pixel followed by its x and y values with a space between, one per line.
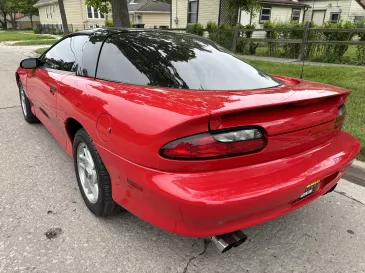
pixel 349 197
pixel 206 244
pixel 9 107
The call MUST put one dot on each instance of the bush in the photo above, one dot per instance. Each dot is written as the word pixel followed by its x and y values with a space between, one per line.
pixel 360 49
pixel 197 29
pixel 212 26
pixel 37 30
pixel 109 23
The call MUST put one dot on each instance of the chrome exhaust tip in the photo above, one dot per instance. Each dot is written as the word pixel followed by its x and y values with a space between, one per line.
pixel 227 241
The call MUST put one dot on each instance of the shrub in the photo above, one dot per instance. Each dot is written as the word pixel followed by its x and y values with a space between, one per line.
pixel 197 29
pixel 212 26
pixel 360 49
pixel 37 30
pixel 109 23
pixel 77 30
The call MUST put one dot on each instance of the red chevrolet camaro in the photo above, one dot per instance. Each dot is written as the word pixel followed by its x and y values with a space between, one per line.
pixel 183 134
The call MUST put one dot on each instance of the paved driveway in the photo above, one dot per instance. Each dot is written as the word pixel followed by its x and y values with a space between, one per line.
pixel 38 191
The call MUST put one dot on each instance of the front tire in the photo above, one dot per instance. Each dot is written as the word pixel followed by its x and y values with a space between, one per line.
pixel 25 105
pixel 92 176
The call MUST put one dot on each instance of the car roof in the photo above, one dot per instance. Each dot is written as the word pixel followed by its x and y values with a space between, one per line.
pixel 114 30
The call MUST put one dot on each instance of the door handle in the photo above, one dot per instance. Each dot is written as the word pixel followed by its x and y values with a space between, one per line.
pixel 53 89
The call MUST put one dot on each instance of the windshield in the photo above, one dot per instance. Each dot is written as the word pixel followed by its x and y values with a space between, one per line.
pixel 175 60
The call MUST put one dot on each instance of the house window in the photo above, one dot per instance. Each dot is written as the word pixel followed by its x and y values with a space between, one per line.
pixel 335 17
pixel 89 12
pixel 93 13
pixel 358 18
pixel 295 14
pixel 265 14
pixel 192 11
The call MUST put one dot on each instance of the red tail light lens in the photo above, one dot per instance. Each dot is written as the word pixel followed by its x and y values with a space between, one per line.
pixel 341 116
pixel 218 144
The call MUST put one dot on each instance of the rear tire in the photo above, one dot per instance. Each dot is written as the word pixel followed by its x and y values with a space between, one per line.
pixel 25 105
pixel 92 176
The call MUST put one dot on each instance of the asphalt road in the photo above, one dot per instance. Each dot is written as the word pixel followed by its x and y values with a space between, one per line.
pixel 38 191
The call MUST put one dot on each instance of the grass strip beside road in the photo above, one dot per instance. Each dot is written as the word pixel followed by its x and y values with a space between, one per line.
pixel 9 36
pixel 347 77
pixel 40 51
pixel 35 42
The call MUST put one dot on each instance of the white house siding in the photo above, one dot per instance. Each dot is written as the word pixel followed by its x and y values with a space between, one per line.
pixel 76 14
pixel 348 9
pixel 278 14
pixel 179 13
pixel 208 11
pixel 155 19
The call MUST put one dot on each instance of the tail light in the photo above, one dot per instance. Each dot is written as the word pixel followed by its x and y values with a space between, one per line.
pixel 217 144
pixel 341 116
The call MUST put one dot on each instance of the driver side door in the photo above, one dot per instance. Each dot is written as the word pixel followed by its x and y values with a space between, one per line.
pixel 45 82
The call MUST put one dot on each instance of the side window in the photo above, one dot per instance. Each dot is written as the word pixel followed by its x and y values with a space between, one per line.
pixel 66 55
pixel 118 60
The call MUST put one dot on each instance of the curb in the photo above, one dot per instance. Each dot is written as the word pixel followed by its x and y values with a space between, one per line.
pixel 356 173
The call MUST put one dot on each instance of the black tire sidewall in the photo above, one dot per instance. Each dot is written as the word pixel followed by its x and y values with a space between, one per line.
pixel 28 116
pixel 99 207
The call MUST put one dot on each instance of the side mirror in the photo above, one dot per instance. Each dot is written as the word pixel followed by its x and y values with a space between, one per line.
pixel 30 63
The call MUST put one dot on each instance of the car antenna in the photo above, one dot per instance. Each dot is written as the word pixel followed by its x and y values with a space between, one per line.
pixel 306 33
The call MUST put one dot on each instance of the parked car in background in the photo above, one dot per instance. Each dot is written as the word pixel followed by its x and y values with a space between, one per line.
pixel 183 134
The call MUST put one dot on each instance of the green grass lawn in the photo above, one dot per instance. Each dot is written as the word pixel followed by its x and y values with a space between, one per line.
pixel 40 50
pixel 350 78
pixel 36 42
pixel 22 36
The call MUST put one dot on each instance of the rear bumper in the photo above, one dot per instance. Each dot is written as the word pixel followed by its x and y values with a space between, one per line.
pixel 211 203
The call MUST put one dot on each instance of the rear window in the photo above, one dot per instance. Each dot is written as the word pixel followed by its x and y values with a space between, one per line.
pixel 175 60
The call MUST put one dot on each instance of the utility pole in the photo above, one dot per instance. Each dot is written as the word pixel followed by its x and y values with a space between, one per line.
pixel 63 17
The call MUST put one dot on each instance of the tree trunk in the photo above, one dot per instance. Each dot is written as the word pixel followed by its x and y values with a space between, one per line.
pixel 13 20
pixel 31 20
pixel 120 13
pixel 63 17
pixel 4 24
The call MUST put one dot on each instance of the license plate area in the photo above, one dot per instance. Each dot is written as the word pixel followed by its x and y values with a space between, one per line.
pixel 310 189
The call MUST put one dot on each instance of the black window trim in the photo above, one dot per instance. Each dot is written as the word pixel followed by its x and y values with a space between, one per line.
pixel 59 41
pixel 265 7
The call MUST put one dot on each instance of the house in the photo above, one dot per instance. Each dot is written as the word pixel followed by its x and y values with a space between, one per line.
pixel 326 10
pixel 151 13
pixel 192 11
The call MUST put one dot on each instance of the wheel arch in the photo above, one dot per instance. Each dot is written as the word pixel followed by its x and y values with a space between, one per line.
pixel 72 126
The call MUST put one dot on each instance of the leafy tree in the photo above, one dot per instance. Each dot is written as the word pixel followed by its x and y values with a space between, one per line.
pixel 10 8
pixel 119 10
pixel 3 14
pixel 28 9
pixel 245 5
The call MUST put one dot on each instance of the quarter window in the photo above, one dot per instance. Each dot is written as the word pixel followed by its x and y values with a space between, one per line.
pixel 295 14
pixel 335 17
pixel 66 55
pixel 192 11
pixel 265 14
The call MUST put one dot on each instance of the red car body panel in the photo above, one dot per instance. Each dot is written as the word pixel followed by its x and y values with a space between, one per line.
pixel 129 124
